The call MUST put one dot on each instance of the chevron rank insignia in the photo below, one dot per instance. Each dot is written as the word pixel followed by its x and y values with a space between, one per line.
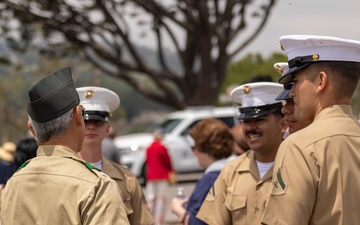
pixel 279 184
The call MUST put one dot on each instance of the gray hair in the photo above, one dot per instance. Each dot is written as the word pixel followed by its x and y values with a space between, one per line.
pixel 53 128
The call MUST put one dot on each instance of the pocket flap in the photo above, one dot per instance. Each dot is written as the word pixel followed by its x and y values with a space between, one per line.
pixel 234 202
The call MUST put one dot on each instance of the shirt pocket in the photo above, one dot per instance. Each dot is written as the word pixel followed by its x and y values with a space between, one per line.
pixel 236 204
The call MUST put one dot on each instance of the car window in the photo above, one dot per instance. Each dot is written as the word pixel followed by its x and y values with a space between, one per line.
pixel 186 131
pixel 166 126
pixel 228 120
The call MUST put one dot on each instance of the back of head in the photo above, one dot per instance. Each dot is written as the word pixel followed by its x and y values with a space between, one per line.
pixel 213 137
pixel 158 134
pixel 50 105
pixel 25 150
pixel 261 78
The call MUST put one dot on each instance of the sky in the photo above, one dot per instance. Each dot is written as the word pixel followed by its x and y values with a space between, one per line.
pixel 337 18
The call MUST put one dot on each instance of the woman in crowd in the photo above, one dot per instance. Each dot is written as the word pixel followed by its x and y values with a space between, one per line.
pixel 213 144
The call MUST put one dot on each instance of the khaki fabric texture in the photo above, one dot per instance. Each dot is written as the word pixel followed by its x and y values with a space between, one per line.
pixel 238 195
pixel 131 192
pixel 57 188
pixel 317 173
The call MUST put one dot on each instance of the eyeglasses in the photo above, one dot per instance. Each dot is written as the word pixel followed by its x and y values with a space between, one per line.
pixel 82 110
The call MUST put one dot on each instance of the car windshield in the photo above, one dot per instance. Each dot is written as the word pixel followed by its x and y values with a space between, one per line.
pixel 166 126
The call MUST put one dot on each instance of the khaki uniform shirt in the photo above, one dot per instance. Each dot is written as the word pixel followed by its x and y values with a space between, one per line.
pixel 316 173
pixel 57 187
pixel 132 195
pixel 238 195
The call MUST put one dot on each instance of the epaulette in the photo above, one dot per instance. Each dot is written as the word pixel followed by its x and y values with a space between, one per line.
pixel 87 164
pixel 24 164
pixel 91 166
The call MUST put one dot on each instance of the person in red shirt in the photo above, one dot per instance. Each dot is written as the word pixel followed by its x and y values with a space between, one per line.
pixel 159 166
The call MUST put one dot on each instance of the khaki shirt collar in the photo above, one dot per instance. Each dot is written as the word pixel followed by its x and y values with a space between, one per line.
pixel 335 109
pixel 111 170
pixel 56 150
pixel 249 165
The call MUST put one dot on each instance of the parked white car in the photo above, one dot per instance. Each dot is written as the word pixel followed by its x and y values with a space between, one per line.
pixel 176 126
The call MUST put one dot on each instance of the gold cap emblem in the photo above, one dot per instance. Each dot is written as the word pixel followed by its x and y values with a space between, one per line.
pixel 279 68
pixel 89 93
pixel 247 89
pixel 315 57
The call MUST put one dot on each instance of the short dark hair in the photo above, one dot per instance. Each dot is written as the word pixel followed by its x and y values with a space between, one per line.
pixel 25 150
pixel 344 75
pixel 261 78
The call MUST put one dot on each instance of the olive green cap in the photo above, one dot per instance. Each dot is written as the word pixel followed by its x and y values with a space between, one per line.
pixel 52 96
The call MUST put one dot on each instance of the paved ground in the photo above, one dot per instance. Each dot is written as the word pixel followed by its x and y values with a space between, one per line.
pixel 170 218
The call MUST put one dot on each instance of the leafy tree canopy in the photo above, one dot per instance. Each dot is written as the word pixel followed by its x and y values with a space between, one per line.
pixel 203 34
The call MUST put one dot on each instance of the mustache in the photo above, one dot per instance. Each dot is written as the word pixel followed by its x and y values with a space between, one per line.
pixel 252 132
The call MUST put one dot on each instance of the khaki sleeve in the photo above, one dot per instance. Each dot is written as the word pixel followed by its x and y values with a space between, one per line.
pixel 294 190
pixel 105 205
pixel 141 214
pixel 215 203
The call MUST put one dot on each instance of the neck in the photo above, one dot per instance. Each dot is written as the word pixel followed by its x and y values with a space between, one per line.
pixel 209 160
pixel 267 155
pixel 90 153
pixel 66 140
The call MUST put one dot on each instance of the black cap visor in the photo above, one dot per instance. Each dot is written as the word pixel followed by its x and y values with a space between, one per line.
pixel 287 77
pixel 96 115
pixel 258 111
pixel 283 95
pixel 296 64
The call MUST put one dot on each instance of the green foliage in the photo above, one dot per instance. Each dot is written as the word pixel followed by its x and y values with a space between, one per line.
pixel 252 66
pixel 17 78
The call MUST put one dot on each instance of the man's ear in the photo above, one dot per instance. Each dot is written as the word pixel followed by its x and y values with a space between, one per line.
pixel 78 116
pixel 322 80
pixel 30 127
pixel 107 129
